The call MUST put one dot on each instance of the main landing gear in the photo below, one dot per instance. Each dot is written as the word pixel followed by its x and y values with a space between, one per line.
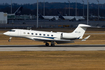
pixel 46 44
pixel 52 44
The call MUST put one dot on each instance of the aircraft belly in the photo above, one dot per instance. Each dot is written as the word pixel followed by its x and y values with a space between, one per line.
pixel 48 39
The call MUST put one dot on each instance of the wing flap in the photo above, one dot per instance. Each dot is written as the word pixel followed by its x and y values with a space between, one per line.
pixel 57 41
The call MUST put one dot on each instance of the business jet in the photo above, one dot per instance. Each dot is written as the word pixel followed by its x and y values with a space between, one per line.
pixel 79 18
pixel 18 11
pixel 70 18
pixel 50 18
pixel 50 37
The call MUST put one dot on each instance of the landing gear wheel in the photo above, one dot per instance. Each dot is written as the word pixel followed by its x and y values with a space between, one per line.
pixel 47 44
pixel 52 44
pixel 9 40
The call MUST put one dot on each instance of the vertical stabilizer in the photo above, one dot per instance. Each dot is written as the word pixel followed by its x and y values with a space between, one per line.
pixel 80 30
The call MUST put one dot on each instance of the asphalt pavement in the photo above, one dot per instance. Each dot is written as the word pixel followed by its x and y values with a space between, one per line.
pixel 54 48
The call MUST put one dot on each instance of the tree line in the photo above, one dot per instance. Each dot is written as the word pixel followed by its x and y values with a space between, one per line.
pixel 54 8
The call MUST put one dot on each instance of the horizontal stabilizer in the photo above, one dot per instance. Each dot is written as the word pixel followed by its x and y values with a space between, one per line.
pixel 86 38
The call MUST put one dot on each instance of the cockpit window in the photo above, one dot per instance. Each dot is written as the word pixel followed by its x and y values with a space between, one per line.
pixel 12 30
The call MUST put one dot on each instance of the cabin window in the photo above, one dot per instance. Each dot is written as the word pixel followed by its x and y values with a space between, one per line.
pixel 32 33
pixel 47 34
pixel 52 35
pixel 43 34
pixel 36 34
pixel 40 34
pixel 28 33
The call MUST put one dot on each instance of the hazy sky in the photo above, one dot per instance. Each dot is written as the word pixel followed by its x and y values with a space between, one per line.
pixel 34 1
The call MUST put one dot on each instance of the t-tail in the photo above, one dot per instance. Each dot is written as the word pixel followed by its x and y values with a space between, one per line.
pixel 80 30
pixel 77 33
pixel 19 11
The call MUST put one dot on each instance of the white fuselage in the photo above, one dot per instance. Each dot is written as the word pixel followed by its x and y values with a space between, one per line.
pixel 58 37
pixel 32 34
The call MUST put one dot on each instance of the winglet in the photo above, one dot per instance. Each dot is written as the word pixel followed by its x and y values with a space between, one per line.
pixel 86 38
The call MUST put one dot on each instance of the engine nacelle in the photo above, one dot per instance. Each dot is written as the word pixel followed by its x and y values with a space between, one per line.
pixel 68 36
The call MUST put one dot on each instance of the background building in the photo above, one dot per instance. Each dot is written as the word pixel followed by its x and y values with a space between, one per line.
pixel 3 18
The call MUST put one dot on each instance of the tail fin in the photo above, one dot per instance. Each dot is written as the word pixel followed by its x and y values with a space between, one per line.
pixel 61 17
pixel 41 17
pixel 80 30
pixel 18 11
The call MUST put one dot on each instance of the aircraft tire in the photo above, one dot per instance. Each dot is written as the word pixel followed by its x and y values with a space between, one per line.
pixel 52 44
pixel 47 44
pixel 9 40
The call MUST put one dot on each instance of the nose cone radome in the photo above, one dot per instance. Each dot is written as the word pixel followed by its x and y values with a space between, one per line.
pixel 5 33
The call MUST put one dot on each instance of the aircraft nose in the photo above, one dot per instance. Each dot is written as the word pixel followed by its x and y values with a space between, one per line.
pixel 5 33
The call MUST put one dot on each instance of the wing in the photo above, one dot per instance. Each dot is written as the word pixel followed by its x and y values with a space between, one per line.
pixel 50 39
pixel 57 41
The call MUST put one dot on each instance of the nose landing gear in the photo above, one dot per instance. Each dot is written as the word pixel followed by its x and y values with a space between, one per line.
pixel 9 39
